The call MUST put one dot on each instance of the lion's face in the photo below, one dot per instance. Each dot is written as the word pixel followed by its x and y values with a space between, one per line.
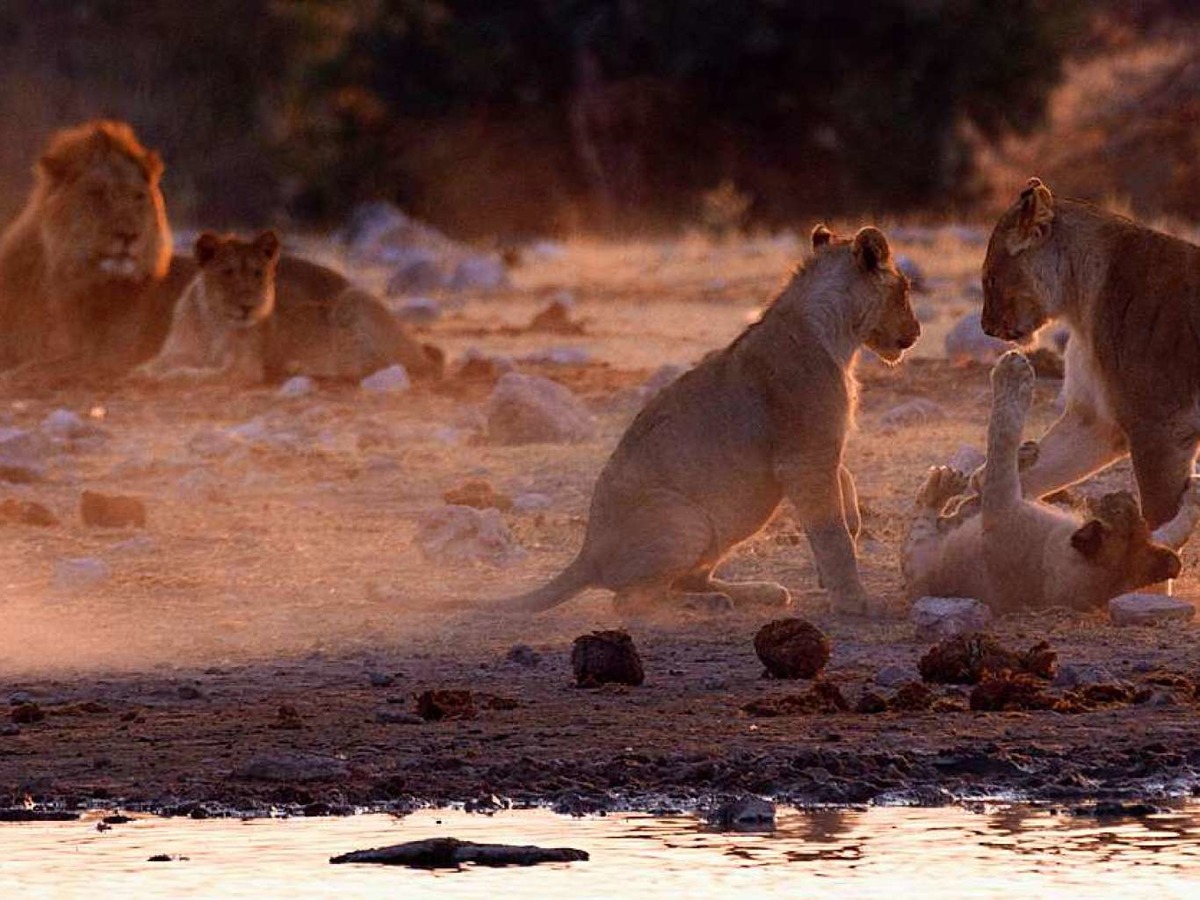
pixel 239 276
pixel 103 218
pixel 886 321
pixel 1117 540
pixel 1016 302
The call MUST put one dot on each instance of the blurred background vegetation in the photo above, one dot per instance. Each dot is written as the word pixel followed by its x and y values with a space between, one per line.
pixel 519 117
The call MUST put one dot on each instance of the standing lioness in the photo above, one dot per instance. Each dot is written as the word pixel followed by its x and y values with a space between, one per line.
pixel 708 460
pixel 1131 297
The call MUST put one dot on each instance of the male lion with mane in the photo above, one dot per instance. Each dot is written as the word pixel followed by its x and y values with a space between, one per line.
pixel 709 459
pixel 1131 297
pixel 86 270
pixel 88 281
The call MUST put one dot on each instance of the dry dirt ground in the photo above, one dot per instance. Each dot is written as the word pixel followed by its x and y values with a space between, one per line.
pixel 261 641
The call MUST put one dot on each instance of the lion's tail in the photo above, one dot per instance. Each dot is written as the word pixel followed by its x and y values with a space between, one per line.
pixel 559 589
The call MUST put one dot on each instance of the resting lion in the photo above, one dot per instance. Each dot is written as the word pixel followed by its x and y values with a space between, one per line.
pixel 709 459
pixel 1131 297
pixel 228 325
pixel 88 281
pixel 1014 553
pixel 223 322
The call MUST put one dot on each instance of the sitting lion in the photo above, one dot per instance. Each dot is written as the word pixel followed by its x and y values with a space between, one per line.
pixel 1014 553
pixel 223 323
pixel 88 282
pixel 709 459
pixel 228 325
pixel 1131 297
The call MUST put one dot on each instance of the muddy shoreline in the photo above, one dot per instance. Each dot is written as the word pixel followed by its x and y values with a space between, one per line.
pixel 331 735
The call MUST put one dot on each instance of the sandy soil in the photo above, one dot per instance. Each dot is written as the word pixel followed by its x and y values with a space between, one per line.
pixel 262 639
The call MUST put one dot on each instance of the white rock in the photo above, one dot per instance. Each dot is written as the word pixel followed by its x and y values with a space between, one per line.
pixel 531 502
pixel 936 618
pixel 297 386
pixel 966 342
pixel 559 356
pixel 894 676
pixel 65 425
pixel 912 271
pixel 201 484
pixel 479 273
pixel 212 442
pixel 1149 609
pixel 392 380
pixel 1074 675
pixel 917 411
pixel 458 534
pixel 21 456
pixel 81 572
pixel 545 251
pixel 422 272
pixel 528 409
pixel 417 310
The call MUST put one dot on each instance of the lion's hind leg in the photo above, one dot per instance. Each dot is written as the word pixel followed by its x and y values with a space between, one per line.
pixel 654 553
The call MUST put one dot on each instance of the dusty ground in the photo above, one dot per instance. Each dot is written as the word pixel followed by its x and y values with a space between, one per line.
pixel 262 639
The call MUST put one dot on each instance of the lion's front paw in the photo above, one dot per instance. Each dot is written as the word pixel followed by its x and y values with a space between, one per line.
pixel 1012 380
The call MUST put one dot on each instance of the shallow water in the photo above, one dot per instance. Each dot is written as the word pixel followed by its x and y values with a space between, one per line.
pixel 881 852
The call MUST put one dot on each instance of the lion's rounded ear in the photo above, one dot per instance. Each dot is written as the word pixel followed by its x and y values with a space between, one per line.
pixel 871 249
pixel 206 247
pixel 821 236
pixel 1034 217
pixel 1089 538
pixel 267 244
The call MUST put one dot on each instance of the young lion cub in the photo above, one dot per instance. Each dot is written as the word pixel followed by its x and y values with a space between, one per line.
pixel 709 459
pixel 224 319
pixel 1018 553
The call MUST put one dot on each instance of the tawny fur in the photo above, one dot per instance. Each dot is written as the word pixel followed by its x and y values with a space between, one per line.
pixel 1131 297
pixel 1014 553
pixel 223 323
pixel 709 459
pixel 88 282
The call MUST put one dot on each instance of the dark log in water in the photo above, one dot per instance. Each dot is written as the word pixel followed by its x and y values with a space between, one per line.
pixel 450 853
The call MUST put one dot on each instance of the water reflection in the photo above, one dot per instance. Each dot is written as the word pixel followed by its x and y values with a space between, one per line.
pixel 899 851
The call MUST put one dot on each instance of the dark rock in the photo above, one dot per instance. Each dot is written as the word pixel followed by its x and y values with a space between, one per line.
pixel 434 706
pixel 27 714
pixel 190 692
pixel 967 658
pixel 606 657
pixel 478 495
pixel 1008 691
pixel 823 697
pixel 556 318
pixel 23 814
pixel 293 767
pixel 108 511
pixel 397 717
pixel 524 655
pixel 381 679
pixel 911 697
pixel 747 813
pixel 26 512
pixel 451 853
pixel 792 648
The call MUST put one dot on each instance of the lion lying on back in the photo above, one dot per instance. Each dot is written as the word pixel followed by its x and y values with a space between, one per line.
pixel 229 325
pixel 1015 553
pixel 88 281
pixel 710 458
